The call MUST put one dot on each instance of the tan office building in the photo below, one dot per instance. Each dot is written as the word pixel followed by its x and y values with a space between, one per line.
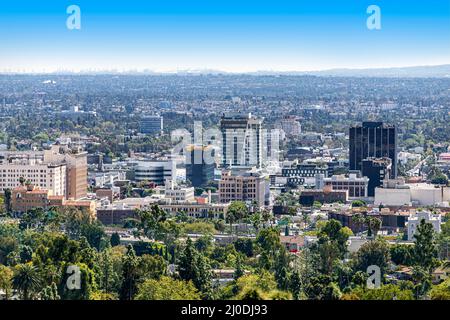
pixel 76 173
pixel 28 168
pixel 60 170
pixel 248 186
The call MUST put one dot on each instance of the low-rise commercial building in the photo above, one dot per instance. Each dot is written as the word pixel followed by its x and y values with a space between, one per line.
pixel 397 193
pixel 194 210
pixel 326 195
pixel 25 198
pixel 118 213
pixel 357 186
pixel 390 221
pixel 177 193
pixel 393 192
pixel 151 124
pixel 157 171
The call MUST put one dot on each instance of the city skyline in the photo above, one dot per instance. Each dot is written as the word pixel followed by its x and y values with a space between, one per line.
pixel 209 151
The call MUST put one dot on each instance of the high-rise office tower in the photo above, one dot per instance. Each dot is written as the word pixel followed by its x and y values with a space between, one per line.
pixel 242 141
pixel 198 170
pixel 376 170
pixel 152 125
pixel 373 140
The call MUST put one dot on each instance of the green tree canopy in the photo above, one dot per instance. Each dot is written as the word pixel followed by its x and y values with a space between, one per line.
pixel 167 288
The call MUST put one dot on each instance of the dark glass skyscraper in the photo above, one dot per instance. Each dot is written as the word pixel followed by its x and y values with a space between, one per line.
pixel 373 140
pixel 199 171
pixel 376 170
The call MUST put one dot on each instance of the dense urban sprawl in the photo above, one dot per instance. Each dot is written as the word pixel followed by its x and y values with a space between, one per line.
pixel 214 186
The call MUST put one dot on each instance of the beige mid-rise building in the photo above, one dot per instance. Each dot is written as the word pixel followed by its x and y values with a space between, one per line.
pixel 76 173
pixel 60 170
pixel 18 169
pixel 247 186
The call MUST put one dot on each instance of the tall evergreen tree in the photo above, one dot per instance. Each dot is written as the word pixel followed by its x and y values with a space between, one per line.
pixel 203 276
pixel 7 195
pixel 186 265
pixel 281 269
pixel 130 275
pixel 195 267
pixel 295 285
pixel 425 250
pixel 239 270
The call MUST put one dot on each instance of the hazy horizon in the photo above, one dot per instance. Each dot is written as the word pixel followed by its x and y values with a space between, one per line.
pixel 211 71
pixel 229 36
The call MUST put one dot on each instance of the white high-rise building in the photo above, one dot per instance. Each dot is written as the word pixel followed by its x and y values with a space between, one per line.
pixel 242 141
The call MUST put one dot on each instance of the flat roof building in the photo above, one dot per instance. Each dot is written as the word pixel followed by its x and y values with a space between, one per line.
pixel 373 140
pixel 248 186
pixel 61 170
pixel 152 125
pixel 157 171
pixel 242 141
pixel 357 186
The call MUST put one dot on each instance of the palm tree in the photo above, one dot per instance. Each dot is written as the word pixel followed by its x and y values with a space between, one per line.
pixel 358 220
pixel 266 216
pixel 446 265
pixel 236 212
pixel 373 225
pixel 256 220
pixel 26 280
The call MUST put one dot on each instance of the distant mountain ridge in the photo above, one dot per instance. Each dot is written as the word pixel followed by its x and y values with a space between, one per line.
pixel 441 71
pixel 438 71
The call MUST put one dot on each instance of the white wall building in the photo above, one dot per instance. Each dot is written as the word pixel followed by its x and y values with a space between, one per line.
pixel 291 126
pixel 357 186
pixel 397 193
pixel 100 179
pixel 404 157
pixel 178 194
pixel 428 195
pixel 415 218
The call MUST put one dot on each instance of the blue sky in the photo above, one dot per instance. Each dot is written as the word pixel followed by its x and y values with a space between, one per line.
pixel 236 36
